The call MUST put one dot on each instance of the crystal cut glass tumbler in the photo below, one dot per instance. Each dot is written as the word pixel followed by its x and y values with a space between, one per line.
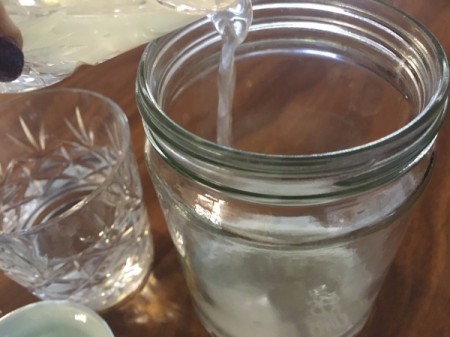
pixel 289 232
pixel 73 225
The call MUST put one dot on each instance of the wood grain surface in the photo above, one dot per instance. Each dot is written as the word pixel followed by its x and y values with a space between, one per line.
pixel 415 299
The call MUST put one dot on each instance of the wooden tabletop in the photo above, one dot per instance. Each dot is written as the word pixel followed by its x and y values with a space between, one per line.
pixel 415 299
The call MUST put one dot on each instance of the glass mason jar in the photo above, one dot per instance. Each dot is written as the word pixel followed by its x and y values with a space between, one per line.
pixel 337 106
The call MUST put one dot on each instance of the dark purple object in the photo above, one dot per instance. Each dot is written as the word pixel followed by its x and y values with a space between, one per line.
pixel 11 60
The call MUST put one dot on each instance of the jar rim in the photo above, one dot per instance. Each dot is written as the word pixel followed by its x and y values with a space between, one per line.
pixel 422 129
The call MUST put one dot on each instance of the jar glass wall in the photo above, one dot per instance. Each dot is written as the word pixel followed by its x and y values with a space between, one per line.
pixel 337 106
